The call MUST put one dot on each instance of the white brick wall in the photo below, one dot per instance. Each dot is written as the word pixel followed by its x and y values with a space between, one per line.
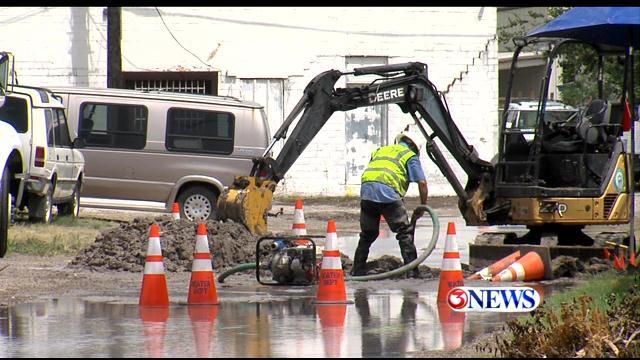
pixel 67 46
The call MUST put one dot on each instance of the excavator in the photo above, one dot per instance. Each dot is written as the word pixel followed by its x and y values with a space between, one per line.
pixel 571 174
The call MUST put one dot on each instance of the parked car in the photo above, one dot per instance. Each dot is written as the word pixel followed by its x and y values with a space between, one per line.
pixel 52 167
pixel 146 150
pixel 521 115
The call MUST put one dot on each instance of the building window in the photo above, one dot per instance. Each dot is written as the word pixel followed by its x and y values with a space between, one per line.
pixel 113 125
pixel 199 131
pixel 193 82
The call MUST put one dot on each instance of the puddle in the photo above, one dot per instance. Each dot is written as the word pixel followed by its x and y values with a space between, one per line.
pixel 389 323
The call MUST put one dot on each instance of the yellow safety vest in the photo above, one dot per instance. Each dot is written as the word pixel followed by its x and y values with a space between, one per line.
pixel 388 165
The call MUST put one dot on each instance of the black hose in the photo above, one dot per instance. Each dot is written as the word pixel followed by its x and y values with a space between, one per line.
pixel 417 261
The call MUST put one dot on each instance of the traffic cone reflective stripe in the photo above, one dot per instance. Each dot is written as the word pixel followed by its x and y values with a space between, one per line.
pixel 530 267
pixel 175 211
pixel 451 271
pixel 496 267
pixel 154 283
pixel 202 286
pixel 331 287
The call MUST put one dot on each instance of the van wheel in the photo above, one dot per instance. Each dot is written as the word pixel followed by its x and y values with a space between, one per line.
pixel 72 207
pixel 198 203
pixel 41 208
pixel 5 211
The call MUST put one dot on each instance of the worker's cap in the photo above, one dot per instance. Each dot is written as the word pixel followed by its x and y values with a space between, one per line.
pixel 402 137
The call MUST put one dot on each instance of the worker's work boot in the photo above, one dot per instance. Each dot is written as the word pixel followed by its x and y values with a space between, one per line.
pixel 360 262
pixel 409 254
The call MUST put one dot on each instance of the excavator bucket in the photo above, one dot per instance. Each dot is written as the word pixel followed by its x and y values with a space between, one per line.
pixel 247 202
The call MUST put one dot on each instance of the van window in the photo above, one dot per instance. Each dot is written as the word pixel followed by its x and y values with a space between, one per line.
pixel 199 131
pixel 113 125
pixel 14 112
pixel 60 128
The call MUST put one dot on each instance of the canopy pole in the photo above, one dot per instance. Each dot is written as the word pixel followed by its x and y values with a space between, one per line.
pixel 633 243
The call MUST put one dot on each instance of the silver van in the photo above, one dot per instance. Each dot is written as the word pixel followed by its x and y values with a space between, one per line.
pixel 146 150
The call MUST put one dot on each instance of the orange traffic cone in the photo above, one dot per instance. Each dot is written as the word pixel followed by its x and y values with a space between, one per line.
pixel 175 211
pixel 607 254
pixel 383 227
pixel 530 267
pixel 299 227
pixel 451 271
pixel 332 323
pixel 621 259
pixel 331 289
pixel 154 283
pixel 496 267
pixel 632 259
pixel 202 287
pixel 154 320
pixel 202 322
pixel 452 323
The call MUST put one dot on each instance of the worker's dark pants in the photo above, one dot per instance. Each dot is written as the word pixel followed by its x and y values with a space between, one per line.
pixel 395 214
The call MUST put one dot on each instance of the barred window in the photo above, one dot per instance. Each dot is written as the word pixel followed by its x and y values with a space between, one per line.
pixel 113 125
pixel 193 82
pixel 192 130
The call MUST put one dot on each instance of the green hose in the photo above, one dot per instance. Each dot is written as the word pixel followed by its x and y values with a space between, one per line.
pixel 235 269
pixel 401 270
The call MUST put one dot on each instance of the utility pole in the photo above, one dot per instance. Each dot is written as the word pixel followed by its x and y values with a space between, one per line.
pixel 114 50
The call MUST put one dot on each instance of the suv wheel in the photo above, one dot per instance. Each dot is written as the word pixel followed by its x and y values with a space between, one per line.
pixel 5 211
pixel 198 203
pixel 42 208
pixel 72 207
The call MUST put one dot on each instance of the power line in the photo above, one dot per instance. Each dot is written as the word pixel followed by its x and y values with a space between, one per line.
pixel 178 42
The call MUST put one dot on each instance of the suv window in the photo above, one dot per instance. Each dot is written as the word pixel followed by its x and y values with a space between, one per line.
pixel 14 112
pixel 60 128
pixel 113 125
pixel 50 126
pixel 200 131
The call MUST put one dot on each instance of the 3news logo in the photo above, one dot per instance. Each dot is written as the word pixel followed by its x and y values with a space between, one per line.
pixel 495 299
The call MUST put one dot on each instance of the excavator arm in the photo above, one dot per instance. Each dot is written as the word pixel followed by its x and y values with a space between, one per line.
pixel 249 198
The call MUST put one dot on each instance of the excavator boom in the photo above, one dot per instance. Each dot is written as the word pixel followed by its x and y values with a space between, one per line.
pixel 407 85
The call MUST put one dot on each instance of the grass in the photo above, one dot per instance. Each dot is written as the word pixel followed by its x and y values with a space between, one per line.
pixel 64 236
pixel 598 287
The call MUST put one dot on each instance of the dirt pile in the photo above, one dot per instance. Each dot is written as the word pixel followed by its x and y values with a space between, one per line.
pixel 569 266
pixel 124 248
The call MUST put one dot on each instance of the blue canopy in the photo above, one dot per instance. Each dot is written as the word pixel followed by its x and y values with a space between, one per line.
pixel 617 26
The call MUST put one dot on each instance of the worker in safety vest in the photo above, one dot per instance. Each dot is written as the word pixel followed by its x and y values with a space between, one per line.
pixel 384 185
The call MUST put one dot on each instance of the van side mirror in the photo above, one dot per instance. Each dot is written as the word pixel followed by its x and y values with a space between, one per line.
pixel 78 143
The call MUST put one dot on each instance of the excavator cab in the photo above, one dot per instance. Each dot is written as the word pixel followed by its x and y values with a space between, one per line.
pixel 561 173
